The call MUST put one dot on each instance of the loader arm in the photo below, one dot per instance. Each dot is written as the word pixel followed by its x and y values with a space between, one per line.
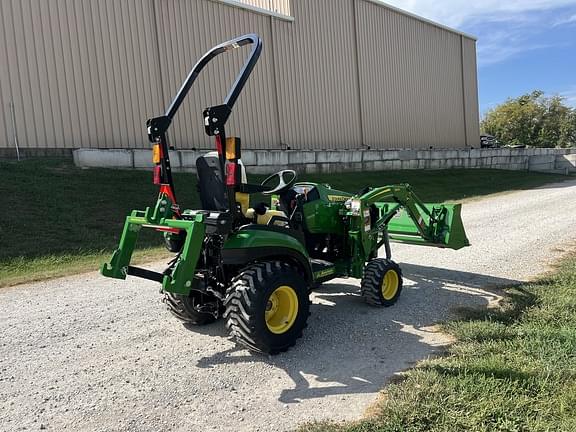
pixel 392 199
pixel 406 218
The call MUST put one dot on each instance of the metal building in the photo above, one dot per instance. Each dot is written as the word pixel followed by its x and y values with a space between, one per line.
pixel 343 74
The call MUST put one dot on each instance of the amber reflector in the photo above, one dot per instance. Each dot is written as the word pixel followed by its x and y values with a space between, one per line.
pixel 156 153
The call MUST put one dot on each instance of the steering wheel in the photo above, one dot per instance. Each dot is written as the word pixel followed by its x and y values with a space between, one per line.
pixel 283 185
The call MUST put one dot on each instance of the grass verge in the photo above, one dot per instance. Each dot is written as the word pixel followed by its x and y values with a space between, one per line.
pixel 512 369
pixel 22 269
pixel 58 219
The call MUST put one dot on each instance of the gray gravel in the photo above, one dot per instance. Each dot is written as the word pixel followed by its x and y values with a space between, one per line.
pixel 91 354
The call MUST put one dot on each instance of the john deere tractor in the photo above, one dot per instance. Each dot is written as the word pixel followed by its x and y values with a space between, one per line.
pixel 255 266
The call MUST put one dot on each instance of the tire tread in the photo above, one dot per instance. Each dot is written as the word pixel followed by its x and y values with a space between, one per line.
pixel 370 286
pixel 241 303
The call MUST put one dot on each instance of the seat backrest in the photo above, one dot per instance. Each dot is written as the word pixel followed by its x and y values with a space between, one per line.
pixel 210 183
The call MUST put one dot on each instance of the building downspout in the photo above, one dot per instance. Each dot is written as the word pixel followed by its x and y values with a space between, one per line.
pixel 15 134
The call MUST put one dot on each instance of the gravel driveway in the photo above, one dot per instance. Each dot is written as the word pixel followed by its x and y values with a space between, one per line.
pixel 91 354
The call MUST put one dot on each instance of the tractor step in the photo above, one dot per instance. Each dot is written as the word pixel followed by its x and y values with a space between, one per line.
pixel 323 270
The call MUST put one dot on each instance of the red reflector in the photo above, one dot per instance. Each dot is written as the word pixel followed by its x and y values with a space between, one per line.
pixel 157 174
pixel 231 174
pixel 170 230
pixel 219 144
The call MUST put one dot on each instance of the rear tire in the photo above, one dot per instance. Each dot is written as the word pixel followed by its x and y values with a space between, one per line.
pixel 382 282
pixel 185 308
pixel 174 242
pixel 267 307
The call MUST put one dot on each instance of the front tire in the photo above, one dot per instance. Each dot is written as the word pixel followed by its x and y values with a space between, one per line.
pixel 382 282
pixel 267 307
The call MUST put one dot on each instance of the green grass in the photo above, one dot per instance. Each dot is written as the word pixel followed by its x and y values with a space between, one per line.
pixel 512 369
pixel 58 219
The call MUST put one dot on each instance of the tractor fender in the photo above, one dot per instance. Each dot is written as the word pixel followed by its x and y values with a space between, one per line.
pixel 255 243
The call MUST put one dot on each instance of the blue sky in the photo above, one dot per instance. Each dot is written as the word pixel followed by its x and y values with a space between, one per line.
pixel 523 45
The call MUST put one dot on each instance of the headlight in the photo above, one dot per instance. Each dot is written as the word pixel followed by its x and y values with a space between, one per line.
pixel 355 205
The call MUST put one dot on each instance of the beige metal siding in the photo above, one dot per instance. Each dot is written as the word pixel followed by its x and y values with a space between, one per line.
pixel 88 73
pixel 317 76
pixel 6 134
pixel 192 27
pixel 279 6
pixel 79 72
pixel 410 76
pixel 470 80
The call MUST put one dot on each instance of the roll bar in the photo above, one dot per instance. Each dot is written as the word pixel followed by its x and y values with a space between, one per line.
pixel 217 50
pixel 215 117
pixel 159 125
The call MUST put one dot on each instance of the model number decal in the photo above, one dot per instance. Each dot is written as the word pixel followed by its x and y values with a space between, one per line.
pixel 323 273
pixel 337 198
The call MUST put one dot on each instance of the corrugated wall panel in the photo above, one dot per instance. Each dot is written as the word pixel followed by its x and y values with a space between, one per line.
pixel 278 6
pixel 410 75
pixel 78 71
pixel 317 76
pixel 187 30
pixel 5 139
pixel 470 75
pixel 87 73
pixel 12 80
pixel 6 134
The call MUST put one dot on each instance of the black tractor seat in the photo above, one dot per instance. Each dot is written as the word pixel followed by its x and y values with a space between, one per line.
pixel 210 183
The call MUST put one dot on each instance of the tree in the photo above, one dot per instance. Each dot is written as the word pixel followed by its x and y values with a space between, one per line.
pixel 532 119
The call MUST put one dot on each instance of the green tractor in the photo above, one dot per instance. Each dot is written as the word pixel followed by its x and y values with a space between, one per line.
pixel 256 266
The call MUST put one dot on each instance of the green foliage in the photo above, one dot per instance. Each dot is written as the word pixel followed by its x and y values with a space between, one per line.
pixel 533 119
pixel 512 369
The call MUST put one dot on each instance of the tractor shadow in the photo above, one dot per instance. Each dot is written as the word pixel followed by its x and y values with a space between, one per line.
pixel 350 347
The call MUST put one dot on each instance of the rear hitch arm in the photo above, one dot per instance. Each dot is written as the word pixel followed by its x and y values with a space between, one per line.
pixel 180 277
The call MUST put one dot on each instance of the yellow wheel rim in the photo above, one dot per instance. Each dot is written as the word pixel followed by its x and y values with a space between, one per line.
pixel 281 309
pixel 390 284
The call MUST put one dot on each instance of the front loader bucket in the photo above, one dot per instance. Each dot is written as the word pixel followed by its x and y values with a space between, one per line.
pixel 455 235
pixel 445 228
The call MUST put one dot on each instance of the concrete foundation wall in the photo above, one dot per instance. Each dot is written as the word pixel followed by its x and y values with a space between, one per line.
pixel 561 161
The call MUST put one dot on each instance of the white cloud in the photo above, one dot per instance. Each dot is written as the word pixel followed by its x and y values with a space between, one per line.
pixel 489 54
pixel 564 21
pixel 456 13
pixel 569 96
pixel 505 28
